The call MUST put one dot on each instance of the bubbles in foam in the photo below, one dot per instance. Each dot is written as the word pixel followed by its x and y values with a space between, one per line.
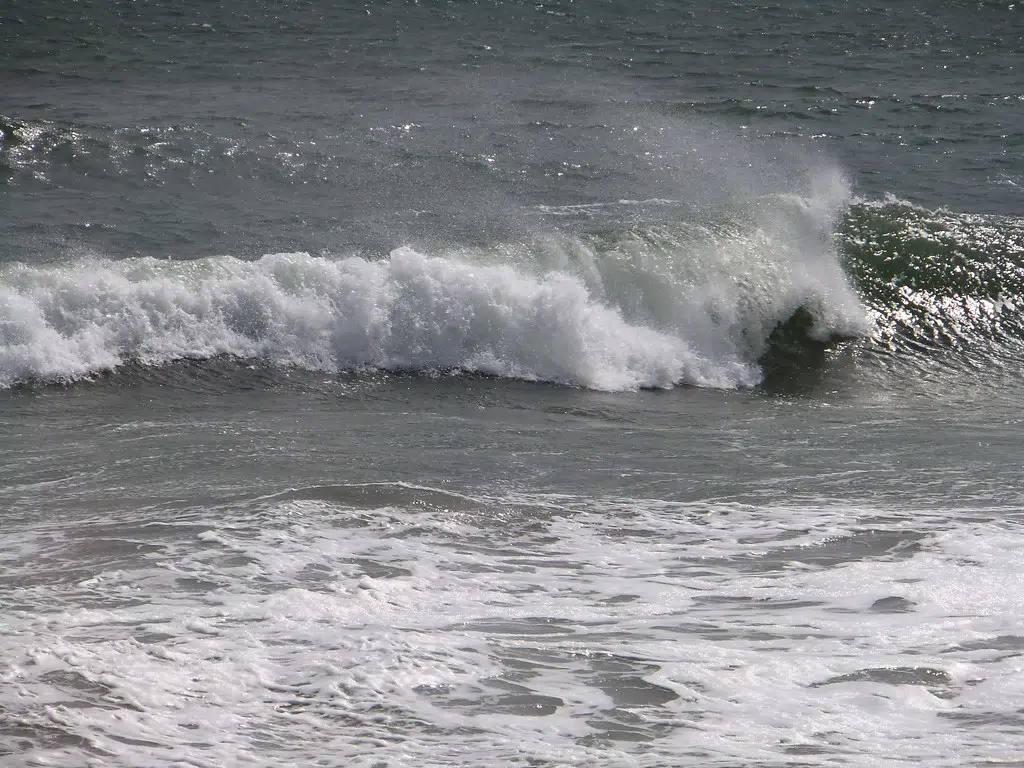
pixel 651 307
pixel 409 311
pixel 525 629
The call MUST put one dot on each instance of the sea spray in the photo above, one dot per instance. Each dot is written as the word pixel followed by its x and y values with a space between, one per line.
pixel 409 311
pixel 623 310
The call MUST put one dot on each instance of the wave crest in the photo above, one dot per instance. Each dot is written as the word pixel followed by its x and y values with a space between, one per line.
pixel 627 310
pixel 409 312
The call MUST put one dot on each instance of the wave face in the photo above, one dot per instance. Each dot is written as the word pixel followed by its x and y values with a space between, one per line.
pixel 939 283
pixel 652 306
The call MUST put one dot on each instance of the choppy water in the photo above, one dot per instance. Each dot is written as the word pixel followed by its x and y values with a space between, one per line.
pixel 510 384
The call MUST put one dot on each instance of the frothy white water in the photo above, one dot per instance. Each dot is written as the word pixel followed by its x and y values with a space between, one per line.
pixel 554 631
pixel 409 311
pixel 650 308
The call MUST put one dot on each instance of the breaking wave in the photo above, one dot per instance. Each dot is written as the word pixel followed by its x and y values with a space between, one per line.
pixel 647 307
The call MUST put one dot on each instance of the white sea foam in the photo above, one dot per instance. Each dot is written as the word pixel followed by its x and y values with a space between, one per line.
pixel 521 631
pixel 621 311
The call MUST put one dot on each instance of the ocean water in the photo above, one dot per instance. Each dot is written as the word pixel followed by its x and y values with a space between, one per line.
pixel 511 384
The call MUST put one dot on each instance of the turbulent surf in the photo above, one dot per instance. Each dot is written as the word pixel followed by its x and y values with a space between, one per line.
pixel 644 307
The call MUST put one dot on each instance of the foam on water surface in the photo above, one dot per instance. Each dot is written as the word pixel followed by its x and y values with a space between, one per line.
pixel 627 309
pixel 516 630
